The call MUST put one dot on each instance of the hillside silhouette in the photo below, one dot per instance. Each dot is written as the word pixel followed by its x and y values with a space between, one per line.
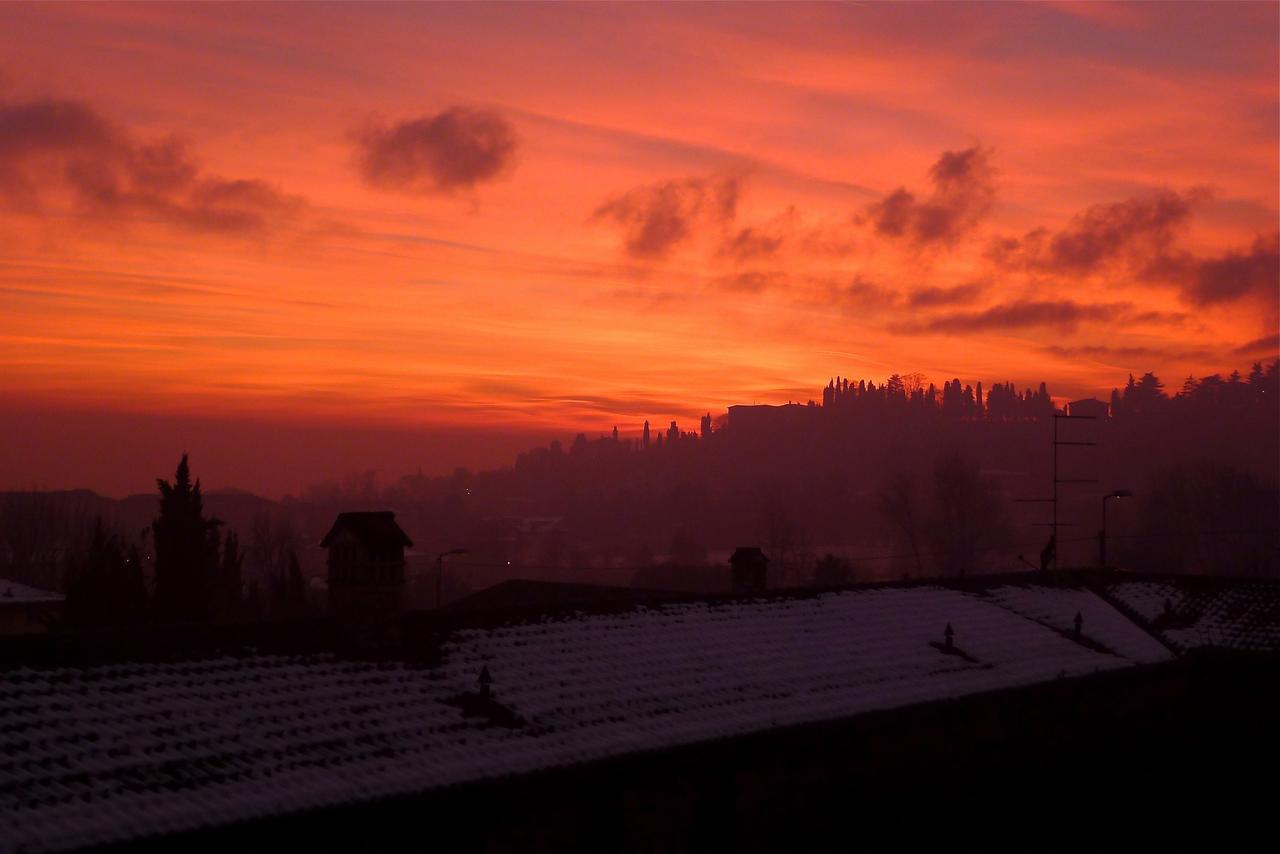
pixel 864 482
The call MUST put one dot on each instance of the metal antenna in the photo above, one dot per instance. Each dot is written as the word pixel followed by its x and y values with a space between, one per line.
pixel 1054 525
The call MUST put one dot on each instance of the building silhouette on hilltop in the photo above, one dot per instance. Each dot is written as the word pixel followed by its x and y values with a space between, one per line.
pixel 1089 407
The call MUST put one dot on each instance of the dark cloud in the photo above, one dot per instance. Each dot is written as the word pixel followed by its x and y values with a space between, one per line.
pixel 1064 315
pixel 750 244
pixel 1137 229
pixel 450 151
pixel 1226 277
pixel 1139 237
pixel 962 194
pixel 658 217
pixel 859 294
pixel 932 297
pixel 56 147
pixel 1267 345
pixel 1126 355
pixel 866 293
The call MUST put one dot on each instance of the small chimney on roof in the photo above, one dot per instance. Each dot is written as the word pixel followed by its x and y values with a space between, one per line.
pixel 750 570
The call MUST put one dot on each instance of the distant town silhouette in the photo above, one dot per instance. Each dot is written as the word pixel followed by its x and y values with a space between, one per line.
pixel 867 481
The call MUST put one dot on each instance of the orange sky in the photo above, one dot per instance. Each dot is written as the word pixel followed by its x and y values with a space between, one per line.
pixel 545 218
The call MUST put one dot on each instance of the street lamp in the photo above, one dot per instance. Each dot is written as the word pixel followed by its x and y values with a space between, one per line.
pixel 440 570
pixel 1102 535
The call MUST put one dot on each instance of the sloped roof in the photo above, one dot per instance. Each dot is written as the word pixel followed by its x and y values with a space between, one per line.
pixel 108 753
pixel 374 530
pixel 1198 613
pixel 11 592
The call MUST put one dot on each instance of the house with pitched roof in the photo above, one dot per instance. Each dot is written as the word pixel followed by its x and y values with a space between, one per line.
pixel 366 564
pixel 28 610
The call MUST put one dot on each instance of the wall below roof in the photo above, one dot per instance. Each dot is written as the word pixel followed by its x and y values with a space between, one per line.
pixel 1165 753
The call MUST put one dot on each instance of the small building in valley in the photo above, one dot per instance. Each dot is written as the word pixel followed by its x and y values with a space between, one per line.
pixel 366 563
pixel 27 610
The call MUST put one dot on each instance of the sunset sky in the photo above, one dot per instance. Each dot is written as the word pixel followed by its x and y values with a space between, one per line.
pixel 427 235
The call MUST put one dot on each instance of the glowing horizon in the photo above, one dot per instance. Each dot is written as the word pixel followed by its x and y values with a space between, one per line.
pixel 569 217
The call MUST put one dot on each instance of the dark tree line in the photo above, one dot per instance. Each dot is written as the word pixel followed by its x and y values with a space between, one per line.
pixel 803 480
pixel 949 525
pixel 196 568
pixel 105 585
pixel 956 400
pixel 1226 396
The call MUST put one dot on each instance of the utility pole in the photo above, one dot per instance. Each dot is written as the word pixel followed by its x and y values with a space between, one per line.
pixel 1057 443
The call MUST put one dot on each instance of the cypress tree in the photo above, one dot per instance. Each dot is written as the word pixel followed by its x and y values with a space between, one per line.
pixel 186 549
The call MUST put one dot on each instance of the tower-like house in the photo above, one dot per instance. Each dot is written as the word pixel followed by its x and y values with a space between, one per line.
pixel 366 563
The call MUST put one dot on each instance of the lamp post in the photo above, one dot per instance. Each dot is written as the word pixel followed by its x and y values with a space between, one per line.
pixel 440 571
pixel 1102 535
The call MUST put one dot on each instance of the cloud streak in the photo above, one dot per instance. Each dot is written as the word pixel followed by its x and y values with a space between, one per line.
pixel 932 297
pixel 1268 345
pixel 1063 315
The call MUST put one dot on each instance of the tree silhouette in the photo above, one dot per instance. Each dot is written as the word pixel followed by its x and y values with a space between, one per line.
pixel 967 516
pixel 105 585
pixel 289 590
pixel 229 594
pixel 1205 517
pixel 832 571
pixel 899 505
pixel 186 546
pixel 685 550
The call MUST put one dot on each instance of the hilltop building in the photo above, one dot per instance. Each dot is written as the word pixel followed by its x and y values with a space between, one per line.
pixel 1089 407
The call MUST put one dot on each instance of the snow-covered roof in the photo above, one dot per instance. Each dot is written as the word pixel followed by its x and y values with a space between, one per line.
pixel 12 592
pixel 1200 613
pixel 114 752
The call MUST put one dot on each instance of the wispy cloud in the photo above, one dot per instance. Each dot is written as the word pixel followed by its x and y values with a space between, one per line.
pixel 1064 315
pixel 963 190
pixel 51 146
pixel 658 217
pixel 1138 229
